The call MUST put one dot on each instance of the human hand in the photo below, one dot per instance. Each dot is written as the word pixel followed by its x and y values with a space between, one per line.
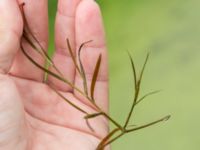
pixel 32 115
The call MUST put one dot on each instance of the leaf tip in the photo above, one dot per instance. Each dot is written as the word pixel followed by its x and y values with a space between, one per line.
pixel 167 118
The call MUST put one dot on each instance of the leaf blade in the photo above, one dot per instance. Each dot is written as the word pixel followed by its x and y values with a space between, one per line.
pixel 147 95
pixel 72 56
pixel 90 116
pixel 95 75
pixel 133 69
pixel 82 70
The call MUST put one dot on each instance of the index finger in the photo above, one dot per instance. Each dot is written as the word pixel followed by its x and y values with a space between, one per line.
pixel 36 15
pixel 89 26
pixel 10 32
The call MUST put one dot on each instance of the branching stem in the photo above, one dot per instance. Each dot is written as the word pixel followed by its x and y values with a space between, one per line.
pixel 120 130
pixel 137 87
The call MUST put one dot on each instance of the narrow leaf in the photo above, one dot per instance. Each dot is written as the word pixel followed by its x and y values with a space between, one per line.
pixel 82 70
pixel 89 126
pixel 132 125
pixel 29 32
pixel 95 75
pixel 147 95
pixel 90 116
pixel 150 124
pixel 69 102
pixel 143 68
pixel 134 70
pixel 72 56
pixel 43 53
pixel 46 70
pixel 25 36
pixel 137 89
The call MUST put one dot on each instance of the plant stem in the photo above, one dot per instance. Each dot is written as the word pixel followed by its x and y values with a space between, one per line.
pixel 66 81
pixel 132 108
pixel 105 139
pixel 131 130
pixel 113 140
pixel 51 73
pixel 137 88
pixel 68 101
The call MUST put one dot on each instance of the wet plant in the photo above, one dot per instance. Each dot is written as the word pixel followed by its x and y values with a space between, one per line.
pixel 119 130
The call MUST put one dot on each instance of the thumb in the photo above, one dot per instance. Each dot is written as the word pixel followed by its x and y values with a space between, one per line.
pixel 12 122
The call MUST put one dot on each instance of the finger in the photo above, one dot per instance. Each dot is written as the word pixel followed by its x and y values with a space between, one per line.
pixel 36 14
pixel 65 28
pixel 89 26
pixel 12 125
pixel 10 32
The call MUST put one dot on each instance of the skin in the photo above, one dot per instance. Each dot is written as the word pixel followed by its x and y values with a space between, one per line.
pixel 32 115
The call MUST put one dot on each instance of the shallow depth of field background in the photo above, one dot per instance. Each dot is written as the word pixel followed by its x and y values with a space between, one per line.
pixel 170 30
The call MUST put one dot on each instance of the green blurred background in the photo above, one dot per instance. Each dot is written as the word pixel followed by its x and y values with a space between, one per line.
pixel 170 30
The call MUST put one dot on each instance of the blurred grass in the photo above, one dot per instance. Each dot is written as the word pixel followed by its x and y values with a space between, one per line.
pixel 171 31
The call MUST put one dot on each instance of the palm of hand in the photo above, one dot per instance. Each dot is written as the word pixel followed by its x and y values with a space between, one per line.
pixel 50 123
pixel 33 115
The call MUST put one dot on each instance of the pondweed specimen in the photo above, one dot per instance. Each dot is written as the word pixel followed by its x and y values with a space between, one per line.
pixel 119 130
